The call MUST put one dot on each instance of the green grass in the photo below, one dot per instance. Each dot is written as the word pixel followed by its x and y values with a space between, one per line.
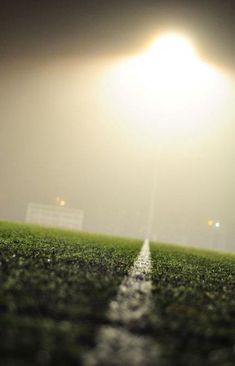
pixel 55 287
pixel 194 294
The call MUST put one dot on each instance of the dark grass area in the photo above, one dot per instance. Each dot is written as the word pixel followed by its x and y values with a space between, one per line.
pixel 194 294
pixel 55 287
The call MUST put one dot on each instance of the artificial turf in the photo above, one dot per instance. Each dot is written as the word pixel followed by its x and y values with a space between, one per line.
pixel 55 287
pixel 194 299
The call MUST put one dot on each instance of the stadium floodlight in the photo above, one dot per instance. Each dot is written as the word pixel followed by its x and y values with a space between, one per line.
pixel 166 91
pixel 172 45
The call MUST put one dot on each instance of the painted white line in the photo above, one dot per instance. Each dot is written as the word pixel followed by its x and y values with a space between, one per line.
pixel 133 298
pixel 119 347
pixel 121 343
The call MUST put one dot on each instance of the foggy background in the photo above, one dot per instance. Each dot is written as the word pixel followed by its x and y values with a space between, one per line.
pixel 59 138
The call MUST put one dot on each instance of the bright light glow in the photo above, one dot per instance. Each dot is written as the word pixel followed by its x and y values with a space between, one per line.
pixel 217 224
pixel 172 50
pixel 167 92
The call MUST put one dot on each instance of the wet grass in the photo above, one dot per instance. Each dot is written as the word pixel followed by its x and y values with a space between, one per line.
pixel 55 287
pixel 194 294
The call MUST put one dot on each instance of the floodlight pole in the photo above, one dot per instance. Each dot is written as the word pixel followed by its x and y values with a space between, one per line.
pixel 152 202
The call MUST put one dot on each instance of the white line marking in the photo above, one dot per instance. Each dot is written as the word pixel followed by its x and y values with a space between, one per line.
pixel 117 344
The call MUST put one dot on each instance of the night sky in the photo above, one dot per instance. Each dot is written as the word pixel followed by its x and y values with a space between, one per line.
pixel 48 28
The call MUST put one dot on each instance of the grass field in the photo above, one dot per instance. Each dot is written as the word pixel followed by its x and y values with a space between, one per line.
pixel 55 288
pixel 194 296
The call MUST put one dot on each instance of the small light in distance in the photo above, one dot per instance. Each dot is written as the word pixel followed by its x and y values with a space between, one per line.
pixel 210 222
pixel 60 201
pixel 217 225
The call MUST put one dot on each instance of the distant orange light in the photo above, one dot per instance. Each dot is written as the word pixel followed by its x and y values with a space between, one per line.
pixel 210 222
pixel 60 201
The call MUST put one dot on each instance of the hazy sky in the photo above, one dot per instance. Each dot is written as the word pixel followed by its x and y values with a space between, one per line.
pixel 60 136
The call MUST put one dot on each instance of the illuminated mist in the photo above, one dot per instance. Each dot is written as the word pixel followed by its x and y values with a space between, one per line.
pixel 92 132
